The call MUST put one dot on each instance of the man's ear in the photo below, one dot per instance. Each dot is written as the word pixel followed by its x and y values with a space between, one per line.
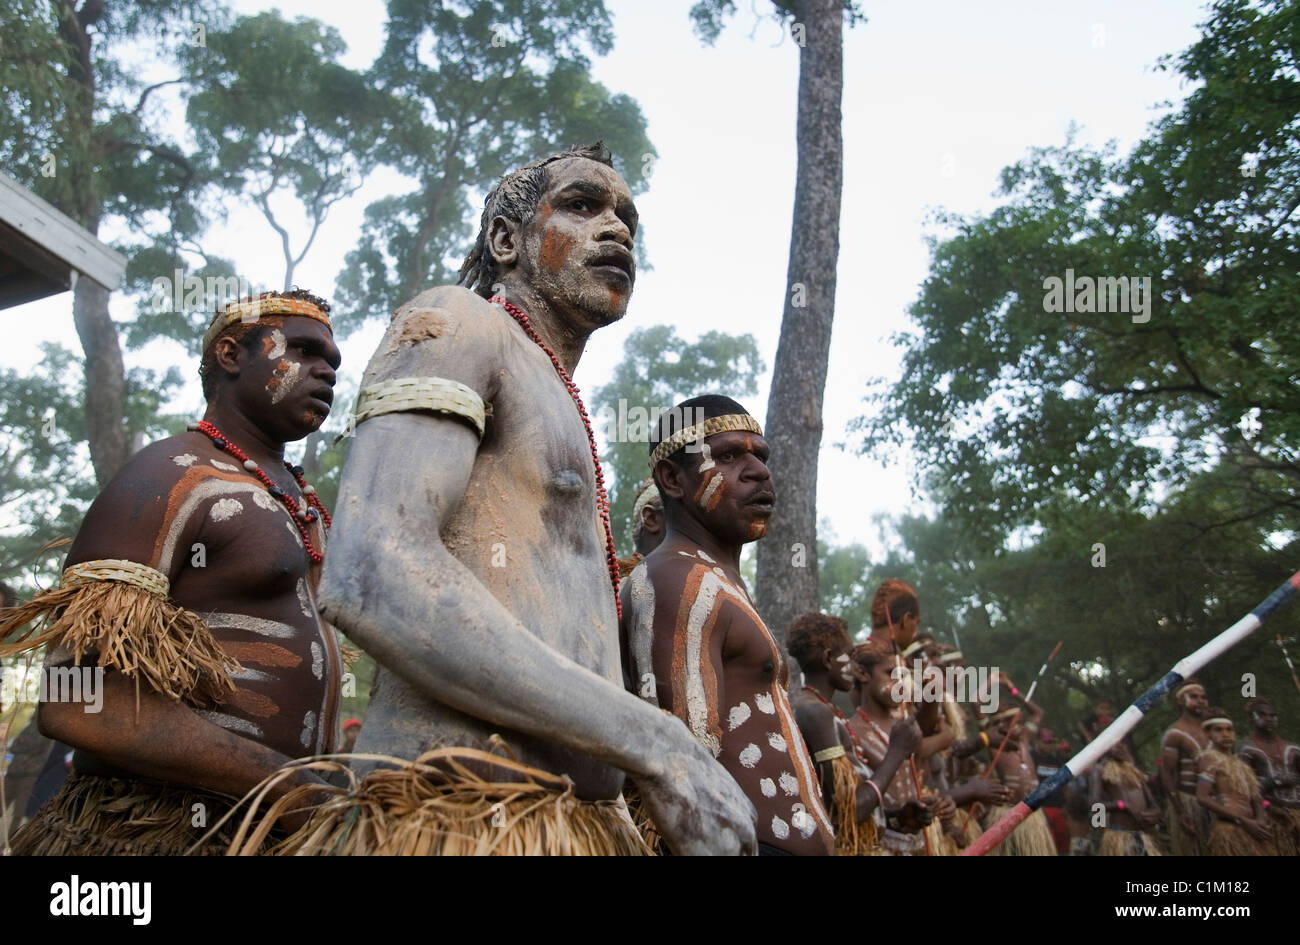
pixel 229 355
pixel 652 520
pixel 503 242
pixel 671 480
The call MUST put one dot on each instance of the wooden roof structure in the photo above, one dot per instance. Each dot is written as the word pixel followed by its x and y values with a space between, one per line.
pixel 43 252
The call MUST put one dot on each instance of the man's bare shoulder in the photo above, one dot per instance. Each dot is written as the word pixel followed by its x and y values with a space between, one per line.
pixel 125 517
pixel 447 331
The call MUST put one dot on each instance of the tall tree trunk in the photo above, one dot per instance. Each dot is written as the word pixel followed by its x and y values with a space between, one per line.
pixel 787 557
pixel 105 379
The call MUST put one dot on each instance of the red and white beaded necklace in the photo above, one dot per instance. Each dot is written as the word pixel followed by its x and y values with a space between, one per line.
pixel 602 501
pixel 301 517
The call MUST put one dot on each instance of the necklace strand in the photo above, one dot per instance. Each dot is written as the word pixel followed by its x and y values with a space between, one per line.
pixel 301 517
pixel 602 501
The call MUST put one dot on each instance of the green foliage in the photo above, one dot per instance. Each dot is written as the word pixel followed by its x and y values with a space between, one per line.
pixel 1012 405
pixel 659 370
pixel 480 89
pixel 708 17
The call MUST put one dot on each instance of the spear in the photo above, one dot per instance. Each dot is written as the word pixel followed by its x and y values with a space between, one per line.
pixel 1287 656
pixel 911 759
pixel 1129 718
pixel 1034 685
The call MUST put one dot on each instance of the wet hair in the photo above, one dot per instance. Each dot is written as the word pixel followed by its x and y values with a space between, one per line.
pixel 515 197
pixel 688 413
pixel 894 600
pixel 813 632
pixel 248 333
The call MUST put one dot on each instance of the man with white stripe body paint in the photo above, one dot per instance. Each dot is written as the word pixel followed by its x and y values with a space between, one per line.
pixel 693 643
pixel 188 528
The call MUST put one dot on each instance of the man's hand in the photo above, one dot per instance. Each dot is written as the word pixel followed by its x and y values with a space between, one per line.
pixel 697 805
pixel 905 736
pixel 1259 829
pixel 945 808
pixel 992 792
pixel 916 815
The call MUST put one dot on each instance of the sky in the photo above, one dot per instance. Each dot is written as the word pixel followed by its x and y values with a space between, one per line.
pixel 939 96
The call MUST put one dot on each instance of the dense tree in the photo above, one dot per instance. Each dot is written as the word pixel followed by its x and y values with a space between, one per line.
pixel 1013 402
pixel 787 557
pixel 483 88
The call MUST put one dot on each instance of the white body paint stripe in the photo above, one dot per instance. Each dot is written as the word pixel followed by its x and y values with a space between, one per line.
pixel 230 723
pixel 697 703
pixel 641 632
pixel 259 625
pixel 209 488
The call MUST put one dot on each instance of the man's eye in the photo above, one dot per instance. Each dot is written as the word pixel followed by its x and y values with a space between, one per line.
pixel 579 204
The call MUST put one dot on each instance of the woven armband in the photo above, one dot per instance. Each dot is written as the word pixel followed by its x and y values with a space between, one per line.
pixel 437 394
pixel 829 754
pixel 119 610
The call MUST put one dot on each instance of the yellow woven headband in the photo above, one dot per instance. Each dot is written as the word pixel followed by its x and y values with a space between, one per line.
pixel 254 309
pixel 742 422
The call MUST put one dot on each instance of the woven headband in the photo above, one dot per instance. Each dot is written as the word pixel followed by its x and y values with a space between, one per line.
pixel 950 657
pixel 1217 720
pixel 742 422
pixel 254 309
pixel 913 647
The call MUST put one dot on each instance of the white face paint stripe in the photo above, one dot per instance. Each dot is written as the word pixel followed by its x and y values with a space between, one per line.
pixel 711 488
pixel 258 625
pixel 707 463
pixel 640 642
pixel 287 382
pixel 278 344
pixel 198 495
pixel 230 723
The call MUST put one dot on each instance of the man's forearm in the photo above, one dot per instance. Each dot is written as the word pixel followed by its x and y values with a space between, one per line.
pixel 494 669
pixel 165 741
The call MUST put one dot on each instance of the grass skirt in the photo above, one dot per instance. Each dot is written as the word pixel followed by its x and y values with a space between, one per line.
pixel 1227 839
pixel 1286 830
pixel 852 838
pixel 1182 843
pixel 94 816
pixel 1033 836
pixel 438 806
pixel 1127 843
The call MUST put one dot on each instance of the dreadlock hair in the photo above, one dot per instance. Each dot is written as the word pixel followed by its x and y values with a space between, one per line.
pixel 813 632
pixel 515 197
pixel 894 600
pixel 247 333
pixel 687 414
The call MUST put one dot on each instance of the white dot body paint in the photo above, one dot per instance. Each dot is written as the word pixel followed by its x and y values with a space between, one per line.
pixel 287 382
pixel 224 509
pixel 263 500
pixel 278 344
pixel 185 459
pixel 776 740
pixel 768 787
pixel 789 784
pixel 737 716
pixel 763 701
pixel 225 467
pixel 780 829
pixel 308 725
pixel 804 823
pixel 704 555
pixel 750 754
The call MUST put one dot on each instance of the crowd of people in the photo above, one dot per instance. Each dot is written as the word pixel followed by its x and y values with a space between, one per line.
pixel 536 694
